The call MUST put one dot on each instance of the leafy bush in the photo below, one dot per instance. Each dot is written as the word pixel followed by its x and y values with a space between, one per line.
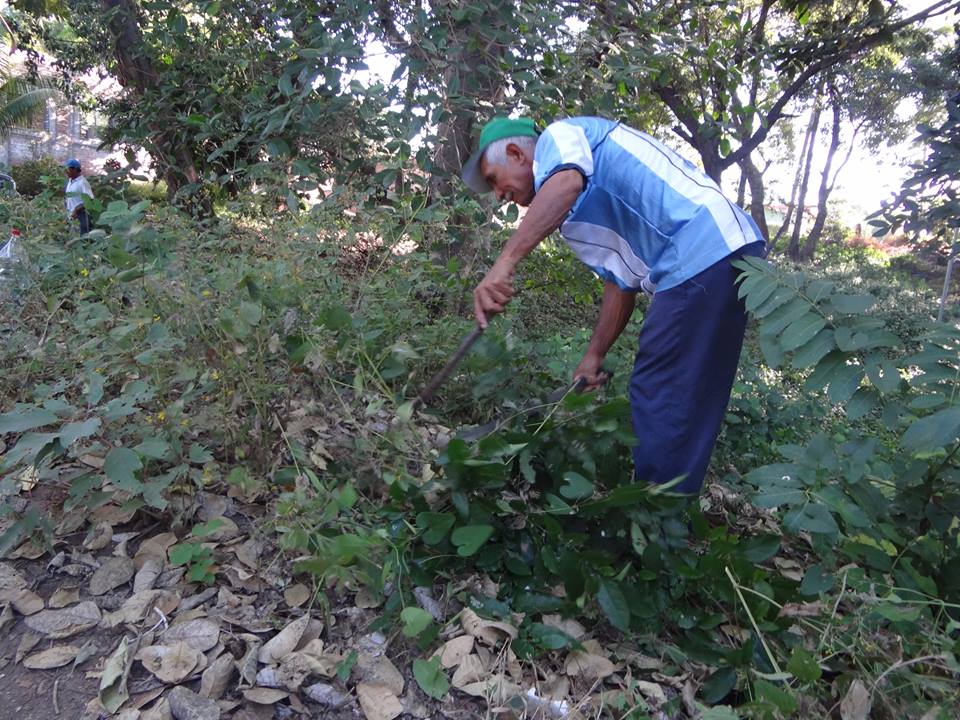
pixel 34 176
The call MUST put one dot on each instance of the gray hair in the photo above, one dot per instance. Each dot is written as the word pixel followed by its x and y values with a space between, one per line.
pixel 496 152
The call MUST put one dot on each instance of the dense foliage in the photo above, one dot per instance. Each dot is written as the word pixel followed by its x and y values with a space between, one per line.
pixel 263 337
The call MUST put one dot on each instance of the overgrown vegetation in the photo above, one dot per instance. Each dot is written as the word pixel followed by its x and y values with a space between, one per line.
pixel 160 358
pixel 210 398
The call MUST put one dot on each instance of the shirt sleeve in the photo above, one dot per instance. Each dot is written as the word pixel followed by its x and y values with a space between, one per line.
pixel 562 146
pixel 85 188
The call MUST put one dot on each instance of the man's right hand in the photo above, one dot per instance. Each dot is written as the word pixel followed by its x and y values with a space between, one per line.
pixel 592 372
pixel 493 293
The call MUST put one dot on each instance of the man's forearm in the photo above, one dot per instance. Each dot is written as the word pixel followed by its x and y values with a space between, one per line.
pixel 615 311
pixel 545 214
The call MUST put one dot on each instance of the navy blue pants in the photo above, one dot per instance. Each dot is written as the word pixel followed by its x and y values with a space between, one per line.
pixel 687 360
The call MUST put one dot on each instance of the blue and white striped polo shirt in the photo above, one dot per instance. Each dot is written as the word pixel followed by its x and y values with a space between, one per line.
pixel 645 212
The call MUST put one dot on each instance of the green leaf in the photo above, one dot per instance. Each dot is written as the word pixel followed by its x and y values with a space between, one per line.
pixel 576 486
pixel 415 621
pixel 804 666
pixel 250 312
pixel 863 401
pixel 852 304
pixel 431 679
pixel 199 454
pixel 614 604
pixel 811 517
pixel 74 431
pixel 779 697
pixel 816 580
pixel 183 553
pixel 25 419
pixel 802 331
pixel 813 350
pixel 718 685
pixel 120 466
pixel 153 447
pixel 933 431
pixel 470 538
pixel 436 525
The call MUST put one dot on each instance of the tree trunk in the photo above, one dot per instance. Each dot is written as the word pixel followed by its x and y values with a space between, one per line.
pixel 137 73
pixel 793 249
pixel 810 246
pixel 757 195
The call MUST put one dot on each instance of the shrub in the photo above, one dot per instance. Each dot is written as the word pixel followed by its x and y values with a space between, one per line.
pixel 28 176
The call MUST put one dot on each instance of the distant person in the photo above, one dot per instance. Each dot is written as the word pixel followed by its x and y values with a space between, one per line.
pixel 75 190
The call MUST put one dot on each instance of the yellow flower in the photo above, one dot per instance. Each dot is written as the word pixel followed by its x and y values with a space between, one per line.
pixel 206 293
pixel 156 317
pixel 215 375
pixel 84 272
pixel 184 422
pixel 161 416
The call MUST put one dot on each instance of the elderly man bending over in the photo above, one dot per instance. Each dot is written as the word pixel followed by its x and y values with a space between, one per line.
pixel 642 218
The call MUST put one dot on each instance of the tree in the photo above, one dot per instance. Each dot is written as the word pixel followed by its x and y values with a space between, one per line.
pixel 729 71
pixel 929 200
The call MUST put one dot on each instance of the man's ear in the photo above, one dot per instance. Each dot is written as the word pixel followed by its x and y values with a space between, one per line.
pixel 515 152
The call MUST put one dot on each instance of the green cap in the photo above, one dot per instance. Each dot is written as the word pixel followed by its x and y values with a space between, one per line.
pixel 497 129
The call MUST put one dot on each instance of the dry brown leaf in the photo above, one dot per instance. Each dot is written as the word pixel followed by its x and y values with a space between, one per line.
pixel 113 514
pixel 25 602
pixel 114 572
pixel 455 650
pixel 856 702
pixel 247 665
pixel 98 536
pixel 265 696
pixel 325 694
pixel 187 705
pixel 28 641
pixel 570 627
pixel 170 663
pixel 379 671
pixel 200 634
pixel 248 553
pixel 490 631
pixel 140 699
pixel 366 599
pixel 588 666
pixel 156 546
pixel 470 670
pixel 6 617
pixel 66 622
pixel 57 656
pixel 378 702
pixel 27 551
pixel 810 609
pixel 160 710
pixel 149 571
pixel 296 595
pixel 63 597
pixel 225 530
pixel 139 606
pixel 653 692
pixel 284 642
pixel 496 689
pixel 216 678
pixel 10 578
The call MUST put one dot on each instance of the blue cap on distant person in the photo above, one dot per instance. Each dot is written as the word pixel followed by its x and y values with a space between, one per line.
pixel 72 163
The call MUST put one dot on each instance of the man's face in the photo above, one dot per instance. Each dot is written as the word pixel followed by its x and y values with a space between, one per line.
pixel 512 182
pixel 72 173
